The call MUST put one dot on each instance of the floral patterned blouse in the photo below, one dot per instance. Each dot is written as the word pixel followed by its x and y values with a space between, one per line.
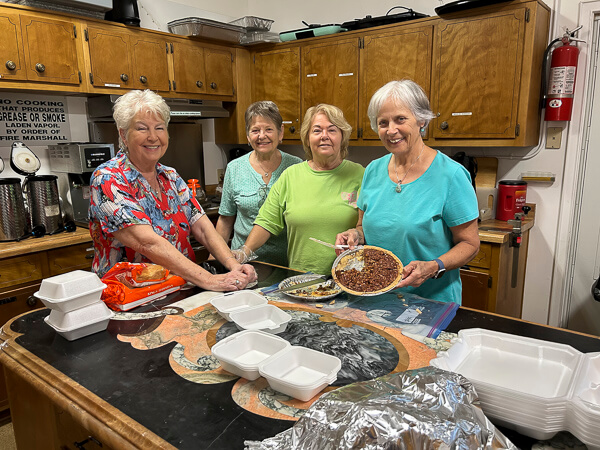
pixel 120 197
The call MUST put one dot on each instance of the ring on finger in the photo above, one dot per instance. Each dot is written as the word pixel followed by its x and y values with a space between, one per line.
pixel 237 281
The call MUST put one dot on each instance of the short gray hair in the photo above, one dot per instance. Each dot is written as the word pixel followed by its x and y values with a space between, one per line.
pixel 134 102
pixel 405 92
pixel 265 109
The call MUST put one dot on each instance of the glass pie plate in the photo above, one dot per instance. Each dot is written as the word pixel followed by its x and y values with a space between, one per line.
pixel 316 292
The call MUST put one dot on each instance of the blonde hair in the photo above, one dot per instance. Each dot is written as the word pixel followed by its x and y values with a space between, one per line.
pixel 134 102
pixel 335 116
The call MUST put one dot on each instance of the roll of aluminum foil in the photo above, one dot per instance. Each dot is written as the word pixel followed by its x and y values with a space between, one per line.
pixel 426 408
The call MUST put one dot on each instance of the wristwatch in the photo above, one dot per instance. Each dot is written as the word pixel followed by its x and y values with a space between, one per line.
pixel 441 269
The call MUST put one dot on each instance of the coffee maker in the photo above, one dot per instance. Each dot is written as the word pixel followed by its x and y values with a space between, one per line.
pixel 75 162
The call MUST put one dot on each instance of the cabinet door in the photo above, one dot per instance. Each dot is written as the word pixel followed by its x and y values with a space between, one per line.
pixel 12 64
pixel 23 269
pixel 277 78
pixel 73 257
pixel 110 58
pixel 478 73
pixel 401 54
pixel 150 66
pixel 219 71
pixel 475 289
pixel 188 67
pixel 330 75
pixel 50 49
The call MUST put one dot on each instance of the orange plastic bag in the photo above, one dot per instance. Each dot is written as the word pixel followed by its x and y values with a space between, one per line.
pixel 127 287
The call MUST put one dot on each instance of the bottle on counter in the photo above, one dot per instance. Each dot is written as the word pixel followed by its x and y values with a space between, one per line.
pixel 197 190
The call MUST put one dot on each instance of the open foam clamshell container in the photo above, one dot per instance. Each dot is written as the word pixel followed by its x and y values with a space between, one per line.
pixel 267 318
pixel 292 370
pixel 71 290
pixel 231 302
pixel 80 322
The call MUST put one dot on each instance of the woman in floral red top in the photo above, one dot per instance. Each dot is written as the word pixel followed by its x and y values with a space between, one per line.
pixel 142 211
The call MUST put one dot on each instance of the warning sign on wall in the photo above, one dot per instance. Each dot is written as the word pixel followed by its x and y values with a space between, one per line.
pixel 33 118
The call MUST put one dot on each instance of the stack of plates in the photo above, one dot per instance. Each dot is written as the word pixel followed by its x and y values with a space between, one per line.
pixel 74 298
pixel 535 387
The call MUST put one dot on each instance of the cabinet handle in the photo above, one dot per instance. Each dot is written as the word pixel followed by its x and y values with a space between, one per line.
pixel 31 301
pixel 292 129
pixel 444 125
pixel 40 67
pixel 199 84
pixel 143 79
pixel 81 445
pixel 124 77
pixel 89 256
pixel 213 85
pixel 10 65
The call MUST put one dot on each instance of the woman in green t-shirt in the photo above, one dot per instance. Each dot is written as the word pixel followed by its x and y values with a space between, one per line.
pixel 315 198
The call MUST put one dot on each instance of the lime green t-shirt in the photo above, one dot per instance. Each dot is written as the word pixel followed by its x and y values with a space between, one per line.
pixel 312 203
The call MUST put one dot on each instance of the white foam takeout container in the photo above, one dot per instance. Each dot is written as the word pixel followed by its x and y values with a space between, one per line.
pixel 293 370
pixel 80 322
pixel 226 304
pixel 70 290
pixel 243 352
pixel 532 386
pixel 267 318
pixel 300 372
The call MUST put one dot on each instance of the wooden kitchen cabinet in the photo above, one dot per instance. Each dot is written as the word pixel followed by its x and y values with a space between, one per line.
pixel 404 53
pixel 277 78
pixel 51 53
pixel 330 75
pixel 188 67
pixel 150 62
pixel 218 64
pixel 11 48
pixel 110 64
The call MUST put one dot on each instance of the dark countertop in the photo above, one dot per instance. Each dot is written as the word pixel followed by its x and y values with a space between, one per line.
pixel 144 386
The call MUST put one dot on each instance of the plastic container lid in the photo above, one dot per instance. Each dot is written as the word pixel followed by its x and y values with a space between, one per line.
pixel 243 352
pixel 62 288
pixel 267 318
pixel 237 301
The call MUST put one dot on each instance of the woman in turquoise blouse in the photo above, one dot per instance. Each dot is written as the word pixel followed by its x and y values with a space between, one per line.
pixel 248 180
pixel 416 202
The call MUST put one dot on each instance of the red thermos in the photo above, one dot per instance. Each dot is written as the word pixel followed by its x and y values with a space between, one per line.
pixel 511 198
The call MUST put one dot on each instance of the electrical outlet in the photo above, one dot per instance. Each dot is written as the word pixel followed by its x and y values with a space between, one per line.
pixel 220 175
pixel 553 137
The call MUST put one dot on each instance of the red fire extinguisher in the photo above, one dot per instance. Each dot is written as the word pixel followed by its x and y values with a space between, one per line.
pixel 561 83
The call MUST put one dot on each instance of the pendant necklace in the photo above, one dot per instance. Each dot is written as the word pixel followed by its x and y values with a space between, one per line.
pixel 266 174
pixel 399 183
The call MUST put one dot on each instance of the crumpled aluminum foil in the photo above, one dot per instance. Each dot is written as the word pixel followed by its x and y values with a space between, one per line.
pixel 426 408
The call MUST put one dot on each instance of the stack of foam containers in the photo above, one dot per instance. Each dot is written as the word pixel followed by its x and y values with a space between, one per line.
pixel 293 370
pixel 251 311
pixel 535 387
pixel 76 307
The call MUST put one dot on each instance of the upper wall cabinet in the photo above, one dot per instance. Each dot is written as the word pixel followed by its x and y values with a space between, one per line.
pixel 478 74
pixel 277 78
pixel 110 58
pixel 394 55
pixel 330 75
pixel 13 60
pixel 188 68
pixel 487 77
pixel 218 63
pixel 150 62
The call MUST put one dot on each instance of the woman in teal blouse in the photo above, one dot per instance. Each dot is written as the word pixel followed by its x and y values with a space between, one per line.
pixel 248 180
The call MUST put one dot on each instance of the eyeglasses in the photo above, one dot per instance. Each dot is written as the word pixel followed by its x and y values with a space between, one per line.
pixel 263 191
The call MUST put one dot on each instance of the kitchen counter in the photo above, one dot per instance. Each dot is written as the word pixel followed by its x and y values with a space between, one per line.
pixel 33 245
pixel 149 381
pixel 498 231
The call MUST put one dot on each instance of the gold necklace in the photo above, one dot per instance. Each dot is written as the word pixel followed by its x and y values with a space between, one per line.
pixel 399 183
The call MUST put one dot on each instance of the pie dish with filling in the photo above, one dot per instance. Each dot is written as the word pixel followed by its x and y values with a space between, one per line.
pixel 367 270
